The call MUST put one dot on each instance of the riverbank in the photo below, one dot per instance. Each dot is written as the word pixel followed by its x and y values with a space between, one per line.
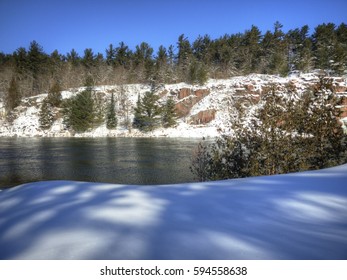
pixel 196 108
pixel 182 130
pixel 202 110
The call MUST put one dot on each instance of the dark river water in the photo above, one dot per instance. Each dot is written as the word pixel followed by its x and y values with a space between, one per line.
pixel 111 160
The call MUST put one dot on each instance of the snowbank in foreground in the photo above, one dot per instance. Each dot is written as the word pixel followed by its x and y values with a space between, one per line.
pixel 295 216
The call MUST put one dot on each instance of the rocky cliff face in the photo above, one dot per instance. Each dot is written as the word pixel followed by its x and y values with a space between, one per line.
pixel 202 110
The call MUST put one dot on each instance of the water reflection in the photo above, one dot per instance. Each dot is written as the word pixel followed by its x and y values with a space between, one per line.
pixel 113 160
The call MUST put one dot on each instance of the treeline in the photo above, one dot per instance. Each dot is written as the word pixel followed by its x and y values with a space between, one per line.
pixel 32 71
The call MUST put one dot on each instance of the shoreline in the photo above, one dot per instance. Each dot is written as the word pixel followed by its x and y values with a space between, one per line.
pixel 180 131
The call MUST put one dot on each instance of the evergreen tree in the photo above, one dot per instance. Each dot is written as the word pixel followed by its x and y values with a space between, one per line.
pixel 81 115
pixel 279 61
pixel 88 59
pixel 54 95
pixel 147 112
pixel 169 116
pixel 99 109
pixel 13 97
pixel 201 49
pixel 288 136
pixel 79 111
pixel 138 121
pixel 305 62
pixel 162 55
pixel 21 61
pixel 340 55
pixel 161 66
pixel 110 55
pixel 250 50
pixel 172 73
pixel 46 116
pixel 184 51
pixel 300 45
pixel 184 57
pixel 37 64
pixel 143 61
pixel 55 65
pixel 274 52
pixel 322 113
pixel 73 57
pixel 37 58
pixel 324 46
pixel 123 55
pixel 111 120
pixel 197 73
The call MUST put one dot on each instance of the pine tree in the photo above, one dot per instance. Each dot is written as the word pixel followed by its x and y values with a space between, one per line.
pixel 89 58
pixel 279 60
pixel 160 72
pixel 54 95
pixel 197 73
pixel 169 115
pixel 138 121
pixel 288 136
pixel 184 51
pixel 250 50
pixel 110 55
pixel 73 58
pixel 46 116
pixel 340 55
pixel 273 52
pixel 326 141
pixel 82 116
pixel 123 56
pixel 184 57
pixel 13 97
pixel 99 109
pixel 147 112
pixel 143 62
pixel 21 61
pixel 79 111
pixel 299 44
pixel 111 120
pixel 324 46
pixel 37 64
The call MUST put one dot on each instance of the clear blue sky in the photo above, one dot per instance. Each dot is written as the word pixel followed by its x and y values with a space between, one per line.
pixel 80 24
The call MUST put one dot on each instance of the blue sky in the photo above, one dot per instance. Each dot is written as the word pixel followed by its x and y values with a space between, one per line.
pixel 80 24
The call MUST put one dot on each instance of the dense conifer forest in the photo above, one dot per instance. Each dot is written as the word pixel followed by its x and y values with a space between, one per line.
pixel 30 71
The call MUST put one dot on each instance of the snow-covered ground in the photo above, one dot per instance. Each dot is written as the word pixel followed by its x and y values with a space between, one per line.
pixel 293 216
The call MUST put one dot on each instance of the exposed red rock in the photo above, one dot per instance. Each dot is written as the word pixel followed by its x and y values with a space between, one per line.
pixel 184 92
pixel 201 93
pixel 344 108
pixel 203 117
pixel 183 107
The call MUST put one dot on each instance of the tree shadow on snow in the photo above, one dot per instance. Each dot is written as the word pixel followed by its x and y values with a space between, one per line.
pixel 295 216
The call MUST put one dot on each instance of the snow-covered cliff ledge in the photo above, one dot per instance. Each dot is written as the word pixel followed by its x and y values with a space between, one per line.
pixel 293 216
pixel 203 110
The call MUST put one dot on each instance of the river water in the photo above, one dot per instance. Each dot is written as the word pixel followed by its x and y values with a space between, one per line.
pixel 109 160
